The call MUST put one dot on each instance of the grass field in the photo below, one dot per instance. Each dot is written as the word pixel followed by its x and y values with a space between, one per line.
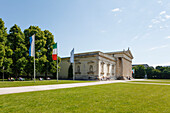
pixel 110 98
pixel 31 83
pixel 160 79
pixel 154 81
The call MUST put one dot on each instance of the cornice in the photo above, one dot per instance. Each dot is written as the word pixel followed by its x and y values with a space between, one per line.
pixel 107 58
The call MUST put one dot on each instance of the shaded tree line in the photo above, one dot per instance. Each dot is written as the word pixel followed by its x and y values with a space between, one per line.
pixel 159 72
pixel 14 52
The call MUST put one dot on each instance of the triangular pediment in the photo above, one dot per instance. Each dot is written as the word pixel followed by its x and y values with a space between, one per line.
pixel 128 53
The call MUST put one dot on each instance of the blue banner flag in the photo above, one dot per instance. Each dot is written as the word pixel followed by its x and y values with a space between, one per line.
pixel 72 56
pixel 32 46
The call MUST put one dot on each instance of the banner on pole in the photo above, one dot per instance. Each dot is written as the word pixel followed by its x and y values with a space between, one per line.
pixel 32 45
pixel 54 55
pixel 72 56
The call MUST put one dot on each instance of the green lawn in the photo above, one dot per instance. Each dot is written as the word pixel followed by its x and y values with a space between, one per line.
pixel 31 83
pixel 110 98
pixel 159 79
pixel 154 81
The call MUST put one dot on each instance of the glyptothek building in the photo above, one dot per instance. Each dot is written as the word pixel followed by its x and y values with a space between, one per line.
pixel 97 65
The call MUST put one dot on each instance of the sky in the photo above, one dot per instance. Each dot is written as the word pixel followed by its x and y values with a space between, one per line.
pixel 98 25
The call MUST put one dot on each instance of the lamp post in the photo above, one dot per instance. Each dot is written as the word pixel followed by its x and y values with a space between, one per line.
pixel 38 58
pixel 3 74
pixel 3 64
pixel 47 59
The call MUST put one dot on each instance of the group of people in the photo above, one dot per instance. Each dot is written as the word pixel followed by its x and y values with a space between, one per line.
pixel 105 78
pixel 13 79
pixel 48 78
pixel 22 79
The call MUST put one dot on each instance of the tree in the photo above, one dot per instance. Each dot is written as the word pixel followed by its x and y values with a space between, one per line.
pixel 156 73
pixel 139 71
pixel 40 50
pixel 3 39
pixel 160 68
pixel 49 47
pixel 166 73
pixel 16 40
pixel 53 66
pixel 50 65
pixel 149 72
pixel 5 50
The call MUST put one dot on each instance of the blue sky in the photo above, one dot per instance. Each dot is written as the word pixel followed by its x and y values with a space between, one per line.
pixel 98 25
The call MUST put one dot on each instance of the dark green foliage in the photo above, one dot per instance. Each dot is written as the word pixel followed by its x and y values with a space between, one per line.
pixel 14 52
pixel 160 68
pixel 156 73
pixel 40 51
pixel 139 71
pixel 166 73
pixel 16 40
pixel 50 65
pixel 3 39
pixel 149 72
pixel 159 72
pixel 5 50
pixel 53 66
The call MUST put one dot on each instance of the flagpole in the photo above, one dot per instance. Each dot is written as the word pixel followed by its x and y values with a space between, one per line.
pixel 73 71
pixel 57 62
pixel 73 66
pixel 34 57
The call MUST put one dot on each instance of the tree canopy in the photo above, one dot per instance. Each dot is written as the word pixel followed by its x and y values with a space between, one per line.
pixel 14 51
pixel 5 49
pixel 16 40
pixel 159 72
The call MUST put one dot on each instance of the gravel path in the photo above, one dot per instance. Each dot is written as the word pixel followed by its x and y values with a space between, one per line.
pixel 10 90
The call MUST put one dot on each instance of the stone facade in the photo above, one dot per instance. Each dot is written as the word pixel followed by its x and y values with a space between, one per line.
pixel 98 65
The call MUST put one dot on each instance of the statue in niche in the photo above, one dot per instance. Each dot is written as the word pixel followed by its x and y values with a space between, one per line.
pixel 113 67
pixel 78 68
pixel 108 66
pixel 102 68
pixel 91 68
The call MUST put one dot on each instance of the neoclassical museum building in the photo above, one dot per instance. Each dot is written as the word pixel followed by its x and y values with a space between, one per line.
pixel 98 65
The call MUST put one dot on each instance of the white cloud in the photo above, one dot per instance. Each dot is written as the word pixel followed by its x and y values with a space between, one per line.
pixel 163 12
pixel 166 26
pixel 167 16
pixel 158 47
pixel 116 10
pixel 103 31
pixel 150 26
pixel 168 37
pixel 159 2
pixel 162 20
pixel 119 21
pixel 134 38
pixel 154 21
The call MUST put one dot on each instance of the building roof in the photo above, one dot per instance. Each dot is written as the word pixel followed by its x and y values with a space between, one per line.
pixel 93 53
pixel 128 53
